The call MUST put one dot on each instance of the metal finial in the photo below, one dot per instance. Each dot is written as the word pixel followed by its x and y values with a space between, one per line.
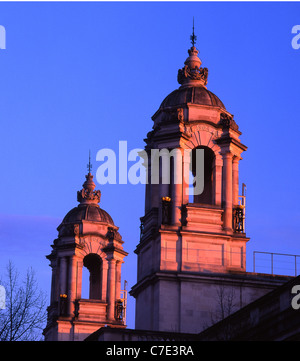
pixel 193 37
pixel 89 166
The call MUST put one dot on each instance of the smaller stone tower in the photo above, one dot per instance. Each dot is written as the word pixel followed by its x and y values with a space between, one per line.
pixel 87 237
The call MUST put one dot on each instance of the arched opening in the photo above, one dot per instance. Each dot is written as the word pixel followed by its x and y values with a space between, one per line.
pixel 85 281
pixel 93 264
pixel 207 195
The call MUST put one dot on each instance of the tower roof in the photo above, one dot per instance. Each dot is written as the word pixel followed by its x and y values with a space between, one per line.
pixel 88 208
pixel 194 95
pixel 88 195
pixel 88 212
pixel 193 80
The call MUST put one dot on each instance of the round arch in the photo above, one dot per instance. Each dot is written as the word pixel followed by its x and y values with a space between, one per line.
pixel 94 265
pixel 207 176
pixel 204 137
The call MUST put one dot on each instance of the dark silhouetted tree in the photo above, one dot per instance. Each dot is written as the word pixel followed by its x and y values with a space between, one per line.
pixel 24 315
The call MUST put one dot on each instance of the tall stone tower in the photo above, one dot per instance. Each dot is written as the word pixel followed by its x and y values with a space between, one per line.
pixel 87 238
pixel 192 251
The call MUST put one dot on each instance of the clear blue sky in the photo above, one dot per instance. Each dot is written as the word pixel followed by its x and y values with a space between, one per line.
pixel 80 76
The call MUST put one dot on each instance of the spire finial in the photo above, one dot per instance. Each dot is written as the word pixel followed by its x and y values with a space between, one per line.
pixel 88 195
pixel 193 37
pixel 89 166
pixel 192 74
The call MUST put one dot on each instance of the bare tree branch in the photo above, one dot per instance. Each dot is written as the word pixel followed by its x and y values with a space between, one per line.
pixel 25 312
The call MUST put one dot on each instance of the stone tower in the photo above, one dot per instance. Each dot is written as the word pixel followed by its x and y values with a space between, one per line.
pixel 87 237
pixel 193 240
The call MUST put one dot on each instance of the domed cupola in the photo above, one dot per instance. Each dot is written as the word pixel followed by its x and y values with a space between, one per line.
pixel 88 208
pixel 193 80
pixel 88 243
pixel 88 215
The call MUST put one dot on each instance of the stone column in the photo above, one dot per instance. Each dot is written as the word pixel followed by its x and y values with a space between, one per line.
pixel 148 186
pixel 104 280
pixel 53 295
pixel 57 279
pixel 185 176
pixel 155 177
pixel 228 191
pixel 218 181
pixel 118 279
pixel 79 278
pixel 164 188
pixel 63 275
pixel 235 180
pixel 72 283
pixel 111 289
pixel 176 181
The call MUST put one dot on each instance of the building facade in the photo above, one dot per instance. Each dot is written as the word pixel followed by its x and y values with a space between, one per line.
pixel 191 270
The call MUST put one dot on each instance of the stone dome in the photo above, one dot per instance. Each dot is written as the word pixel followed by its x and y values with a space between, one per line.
pixel 88 208
pixel 193 80
pixel 192 94
pixel 88 212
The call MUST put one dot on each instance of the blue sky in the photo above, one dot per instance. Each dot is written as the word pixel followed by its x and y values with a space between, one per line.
pixel 80 76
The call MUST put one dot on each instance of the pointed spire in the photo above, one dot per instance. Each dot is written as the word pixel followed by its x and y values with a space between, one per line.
pixel 193 37
pixel 192 74
pixel 89 166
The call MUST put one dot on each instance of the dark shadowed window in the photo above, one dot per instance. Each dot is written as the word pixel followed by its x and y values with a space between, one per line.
pixel 206 197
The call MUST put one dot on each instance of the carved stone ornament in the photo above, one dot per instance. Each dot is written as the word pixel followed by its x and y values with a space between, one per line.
pixel 180 114
pixel 69 230
pixel 76 229
pixel 227 121
pixel 205 128
pixel 192 72
pixel 81 242
pixel 87 193
pixel 174 114
pixel 188 131
pixel 110 234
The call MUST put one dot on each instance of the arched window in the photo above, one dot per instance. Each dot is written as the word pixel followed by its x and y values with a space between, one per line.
pixel 207 196
pixel 93 263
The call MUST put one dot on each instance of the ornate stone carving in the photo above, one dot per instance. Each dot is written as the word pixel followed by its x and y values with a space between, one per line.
pixel 227 121
pixel 174 114
pixel 180 114
pixel 69 230
pixel 82 242
pixel 87 193
pixel 76 229
pixel 110 234
pixel 187 131
pixel 195 74
pixel 192 70
pixel 205 128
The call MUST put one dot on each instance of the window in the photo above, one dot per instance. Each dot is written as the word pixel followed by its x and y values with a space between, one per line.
pixel 207 196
